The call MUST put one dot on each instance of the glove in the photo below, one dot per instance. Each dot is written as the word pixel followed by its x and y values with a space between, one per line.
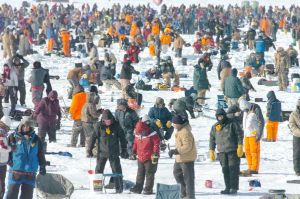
pixel 137 72
pixel 173 152
pixel 42 171
pixel 124 154
pixel 212 155
pixel 169 124
pixel 239 151
pixel 158 123
pixel 253 132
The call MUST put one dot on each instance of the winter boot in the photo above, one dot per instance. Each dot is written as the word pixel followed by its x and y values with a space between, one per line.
pixel 147 192
pixel 226 191
pixel 136 189
pixel 111 185
pixel 233 192
pixel 253 172
pixel 245 173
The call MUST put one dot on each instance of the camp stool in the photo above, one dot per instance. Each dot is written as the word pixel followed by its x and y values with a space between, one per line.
pixel 114 175
pixel 164 191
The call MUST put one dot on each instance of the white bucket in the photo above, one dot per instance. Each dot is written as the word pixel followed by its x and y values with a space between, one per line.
pixel 96 182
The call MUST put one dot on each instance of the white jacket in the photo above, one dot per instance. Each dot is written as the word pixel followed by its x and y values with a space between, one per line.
pixel 250 124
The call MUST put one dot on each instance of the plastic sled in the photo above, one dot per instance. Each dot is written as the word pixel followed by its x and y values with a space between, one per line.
pixel 53 186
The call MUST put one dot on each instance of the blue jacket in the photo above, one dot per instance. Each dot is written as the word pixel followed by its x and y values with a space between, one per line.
pixel 260 46
pixel 84 83
pixel 50 33
pixel 163 114
pixel 27 156
pixel 273 108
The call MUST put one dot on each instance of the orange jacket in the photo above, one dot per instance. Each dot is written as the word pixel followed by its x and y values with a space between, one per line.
pixel 78 101
pixel 265 26
pixel 152 49
pixel 110 31
pixel 165 39
pixel 128 19
pixel 155 29
pixel 134 30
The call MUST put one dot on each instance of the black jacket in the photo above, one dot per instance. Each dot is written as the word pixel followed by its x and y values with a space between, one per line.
pixel 108 143
pixel 127 71
pixel 127 120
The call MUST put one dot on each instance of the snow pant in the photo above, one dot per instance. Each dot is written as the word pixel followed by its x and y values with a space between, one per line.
pixel 88 129
pixel 252 151
pixel 232 101
pixel 1 107
pixel 145 170
pixel 251 44
pixel 115 167
pixel 76 131
pixel 167 79
pixel 124 83
pixel 201 93
pixel 178 52
pixel 283 80
pixel 50 44
pixel 47 128
pixel 224 73
pixel 26 191
pixel 37 95
pixel 66 48
pixel 112 82
pixel 22 89
pixel 272 130
pixel 7 52
pixel 231 169
pixel 73 83
pixel 296 154
pixel 3 169
pixel 184 174
pixel 12 96
pixel 130 139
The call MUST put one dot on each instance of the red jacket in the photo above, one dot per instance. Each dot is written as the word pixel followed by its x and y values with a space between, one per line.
pixel 146 142
pixel 133 52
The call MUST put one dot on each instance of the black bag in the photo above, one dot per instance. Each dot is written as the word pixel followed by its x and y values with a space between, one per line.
pixel 147 87
pixel 140 85
pixel 270 68
pixel 17 115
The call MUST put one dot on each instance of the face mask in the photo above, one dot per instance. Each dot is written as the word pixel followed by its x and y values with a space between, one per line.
pixel 107 122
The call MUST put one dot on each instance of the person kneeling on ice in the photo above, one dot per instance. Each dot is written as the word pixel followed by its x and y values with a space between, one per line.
pixel 228 137
pixel 253 125
pixel 27 156
pixel 294 125
pixel 109 136
pixel 146 147
pixel 186 154
pixel 4 154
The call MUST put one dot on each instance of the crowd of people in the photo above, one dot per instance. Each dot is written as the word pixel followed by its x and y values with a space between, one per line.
pixel 66 31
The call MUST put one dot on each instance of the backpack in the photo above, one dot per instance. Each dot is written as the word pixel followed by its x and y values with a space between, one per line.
pixel 140 85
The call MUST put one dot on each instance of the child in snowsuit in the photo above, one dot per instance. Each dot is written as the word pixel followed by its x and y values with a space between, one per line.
pixel 146 146
pixel 227 136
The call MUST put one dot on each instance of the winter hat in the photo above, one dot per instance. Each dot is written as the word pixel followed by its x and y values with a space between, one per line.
pixel 93 89
pixel 37 64
pixel 178 119
pixel 234 72
pixel 271 95
pixel 220 111
pixel 141 128
pixel 122 102
pixel 159 101
pixel 78 65
pixel 53 94
pixel 145 118
pixel 244 104
pixel 107 115
pixel 26 121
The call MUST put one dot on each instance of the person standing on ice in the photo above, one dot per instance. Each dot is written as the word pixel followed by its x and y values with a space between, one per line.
pixel 26 158
pixel 253 125
pixel 109 137
pixel 282 65
pixel 227 136
pixel 78 101
pixel 127 119
pixel 146 147
pixel 294 125
pixel 38 77
pixel 233 88
pixel 274 116
pixel 73 77
pixel 186 154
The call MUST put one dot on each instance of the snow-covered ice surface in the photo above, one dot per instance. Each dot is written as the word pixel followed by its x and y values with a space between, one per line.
pixel 276 164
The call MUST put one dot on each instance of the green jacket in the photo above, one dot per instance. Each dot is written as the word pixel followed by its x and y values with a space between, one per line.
pixel 200 80
pixel 233 87
pixel 227 138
